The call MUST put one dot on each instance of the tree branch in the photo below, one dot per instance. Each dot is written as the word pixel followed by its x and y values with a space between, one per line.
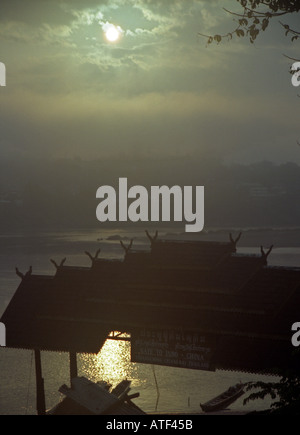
pixel 252 21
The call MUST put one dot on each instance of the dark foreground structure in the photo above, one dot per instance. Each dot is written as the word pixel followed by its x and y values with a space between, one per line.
pixel 198 305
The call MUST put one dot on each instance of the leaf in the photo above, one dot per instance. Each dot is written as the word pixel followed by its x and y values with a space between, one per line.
pixel 243 22
pixel 218 38
pixel 265 24
pixel 240 32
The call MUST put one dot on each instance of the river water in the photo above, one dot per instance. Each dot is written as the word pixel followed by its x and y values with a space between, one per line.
pixel 162 389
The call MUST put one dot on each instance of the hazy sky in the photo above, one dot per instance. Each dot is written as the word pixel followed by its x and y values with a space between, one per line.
pixel 158 91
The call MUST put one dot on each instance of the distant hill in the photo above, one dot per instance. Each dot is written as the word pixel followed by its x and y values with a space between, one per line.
pixel 61 193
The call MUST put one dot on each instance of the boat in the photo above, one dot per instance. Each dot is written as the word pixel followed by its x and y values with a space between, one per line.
pixel 225 399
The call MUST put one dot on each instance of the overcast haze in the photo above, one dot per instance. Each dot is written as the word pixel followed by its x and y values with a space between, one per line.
pixel 159 91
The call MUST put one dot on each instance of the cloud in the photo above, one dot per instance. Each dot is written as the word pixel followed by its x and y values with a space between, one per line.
pixel 159 90
pixel 34 13
pixel 168 124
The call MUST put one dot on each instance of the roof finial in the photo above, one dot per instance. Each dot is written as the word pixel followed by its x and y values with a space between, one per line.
pixel 152 239
pixel 126 248
pixel 22 275
pixel 264 255
pixel 57 266
pixel 234 242
pixel 91 257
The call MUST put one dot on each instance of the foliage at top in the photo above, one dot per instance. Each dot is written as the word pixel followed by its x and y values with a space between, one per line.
pixel 255 17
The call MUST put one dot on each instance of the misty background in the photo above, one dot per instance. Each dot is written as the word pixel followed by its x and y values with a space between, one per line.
pixel 158 107
pixel 61 194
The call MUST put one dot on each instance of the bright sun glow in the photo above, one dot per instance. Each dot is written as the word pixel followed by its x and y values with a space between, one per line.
pixel 113 33
pixel 112 364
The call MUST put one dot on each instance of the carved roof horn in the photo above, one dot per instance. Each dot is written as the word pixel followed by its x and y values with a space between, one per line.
pixel 264 254
pixel 126 248
pixel 235 241
pixel 22 275
pixel 91 257
pixel 152 238
pixel 57 266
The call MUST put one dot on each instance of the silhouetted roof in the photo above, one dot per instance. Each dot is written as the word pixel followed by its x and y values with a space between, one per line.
pixel 200 255
pixel 246 305
pixel 36 316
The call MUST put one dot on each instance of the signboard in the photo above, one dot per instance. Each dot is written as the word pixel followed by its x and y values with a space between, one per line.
pixel 173 348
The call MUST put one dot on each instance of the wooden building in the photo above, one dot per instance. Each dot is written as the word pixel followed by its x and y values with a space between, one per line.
pixel 228 311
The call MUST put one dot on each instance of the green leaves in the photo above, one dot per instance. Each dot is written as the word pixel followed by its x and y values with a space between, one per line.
pixel 255 17
pixel 243 22
pixel 264 24
pixel 240 32
pixel 218 38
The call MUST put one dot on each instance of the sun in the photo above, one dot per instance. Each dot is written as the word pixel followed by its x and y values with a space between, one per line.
pixel 112 33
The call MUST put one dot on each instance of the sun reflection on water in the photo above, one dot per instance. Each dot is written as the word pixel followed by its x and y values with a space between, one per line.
pixel 112 364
